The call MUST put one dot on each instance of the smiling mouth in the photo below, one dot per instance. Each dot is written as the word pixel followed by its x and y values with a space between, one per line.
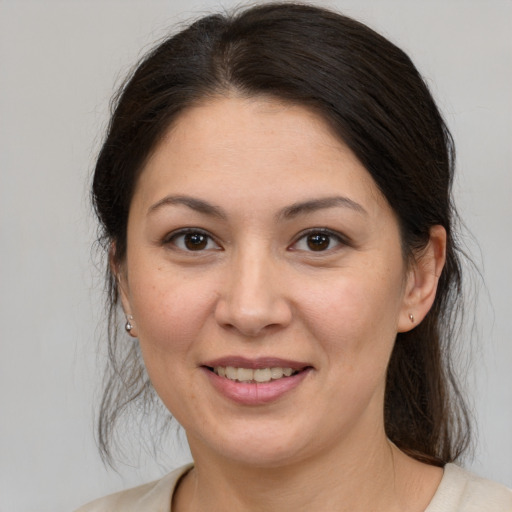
pixel 249 375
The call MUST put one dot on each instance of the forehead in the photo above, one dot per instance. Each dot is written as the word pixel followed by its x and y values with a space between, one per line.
pixel 255 148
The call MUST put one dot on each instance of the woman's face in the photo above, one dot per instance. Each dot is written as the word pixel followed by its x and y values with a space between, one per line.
pixel 259 247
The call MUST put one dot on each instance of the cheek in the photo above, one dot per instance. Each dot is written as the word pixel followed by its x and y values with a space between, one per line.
pixel 170 312
pixel 354 315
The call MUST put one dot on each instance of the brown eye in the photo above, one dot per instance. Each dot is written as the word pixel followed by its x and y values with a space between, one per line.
pixel 195 241
pixel 192 240
pixel 318 241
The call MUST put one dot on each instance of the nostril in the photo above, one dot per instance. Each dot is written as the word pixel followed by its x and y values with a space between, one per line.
pixel 252 301
pixel 248 322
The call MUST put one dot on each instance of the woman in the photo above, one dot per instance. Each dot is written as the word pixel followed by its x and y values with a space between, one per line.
pixel 275 194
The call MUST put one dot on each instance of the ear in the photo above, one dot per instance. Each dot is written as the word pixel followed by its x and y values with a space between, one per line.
pixel 119 273
pixel 422 279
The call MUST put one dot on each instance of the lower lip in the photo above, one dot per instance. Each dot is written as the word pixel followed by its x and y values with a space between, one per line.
pixel 255 393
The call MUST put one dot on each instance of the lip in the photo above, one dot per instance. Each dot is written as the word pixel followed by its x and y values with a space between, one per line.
pixel 255 393
pixel 257 363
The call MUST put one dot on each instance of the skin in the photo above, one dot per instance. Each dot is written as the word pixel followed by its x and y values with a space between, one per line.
pixel 256 289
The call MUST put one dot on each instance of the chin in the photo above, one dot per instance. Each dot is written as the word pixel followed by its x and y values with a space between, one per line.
pixel 262 446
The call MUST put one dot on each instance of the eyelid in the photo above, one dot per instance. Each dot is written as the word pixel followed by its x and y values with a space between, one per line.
pixel 171 237
pixel 339 237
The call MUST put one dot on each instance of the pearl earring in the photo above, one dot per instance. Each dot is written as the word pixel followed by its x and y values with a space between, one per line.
pixel 128 325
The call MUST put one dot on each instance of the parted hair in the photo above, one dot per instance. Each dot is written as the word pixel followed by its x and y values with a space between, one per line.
pixel 373 97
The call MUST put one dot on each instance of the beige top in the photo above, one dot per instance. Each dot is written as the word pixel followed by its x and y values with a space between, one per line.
pixel 459 491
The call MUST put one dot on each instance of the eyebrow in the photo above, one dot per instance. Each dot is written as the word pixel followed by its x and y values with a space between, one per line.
pixel 191 202
pixel 288 212
pixel 319 204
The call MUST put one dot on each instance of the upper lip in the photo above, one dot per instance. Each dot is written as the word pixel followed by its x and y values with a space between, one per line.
pixel 259 362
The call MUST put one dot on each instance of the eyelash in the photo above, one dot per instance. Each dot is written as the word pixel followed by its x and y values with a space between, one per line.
pixel 173 237
pixel 332 235
pixel 323 232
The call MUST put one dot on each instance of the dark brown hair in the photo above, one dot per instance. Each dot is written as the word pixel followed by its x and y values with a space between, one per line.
pixel 370 93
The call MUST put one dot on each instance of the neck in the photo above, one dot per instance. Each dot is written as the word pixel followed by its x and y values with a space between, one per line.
pixel 364 473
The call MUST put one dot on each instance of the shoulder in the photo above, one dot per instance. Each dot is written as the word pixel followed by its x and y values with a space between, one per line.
pixel 461 491
pixel 152 497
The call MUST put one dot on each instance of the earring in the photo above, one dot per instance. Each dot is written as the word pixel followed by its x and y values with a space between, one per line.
pixel 128 325
pixel 411 317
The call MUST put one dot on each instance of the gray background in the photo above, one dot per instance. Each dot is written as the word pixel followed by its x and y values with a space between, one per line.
pixel 59 62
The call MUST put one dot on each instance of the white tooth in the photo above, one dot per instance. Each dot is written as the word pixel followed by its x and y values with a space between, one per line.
pixel 245 374
pixel 248 374
pixel 276 373
pixel 262 375
pixel 231 373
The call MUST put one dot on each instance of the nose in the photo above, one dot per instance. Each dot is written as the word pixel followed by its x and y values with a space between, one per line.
pixel 253 299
